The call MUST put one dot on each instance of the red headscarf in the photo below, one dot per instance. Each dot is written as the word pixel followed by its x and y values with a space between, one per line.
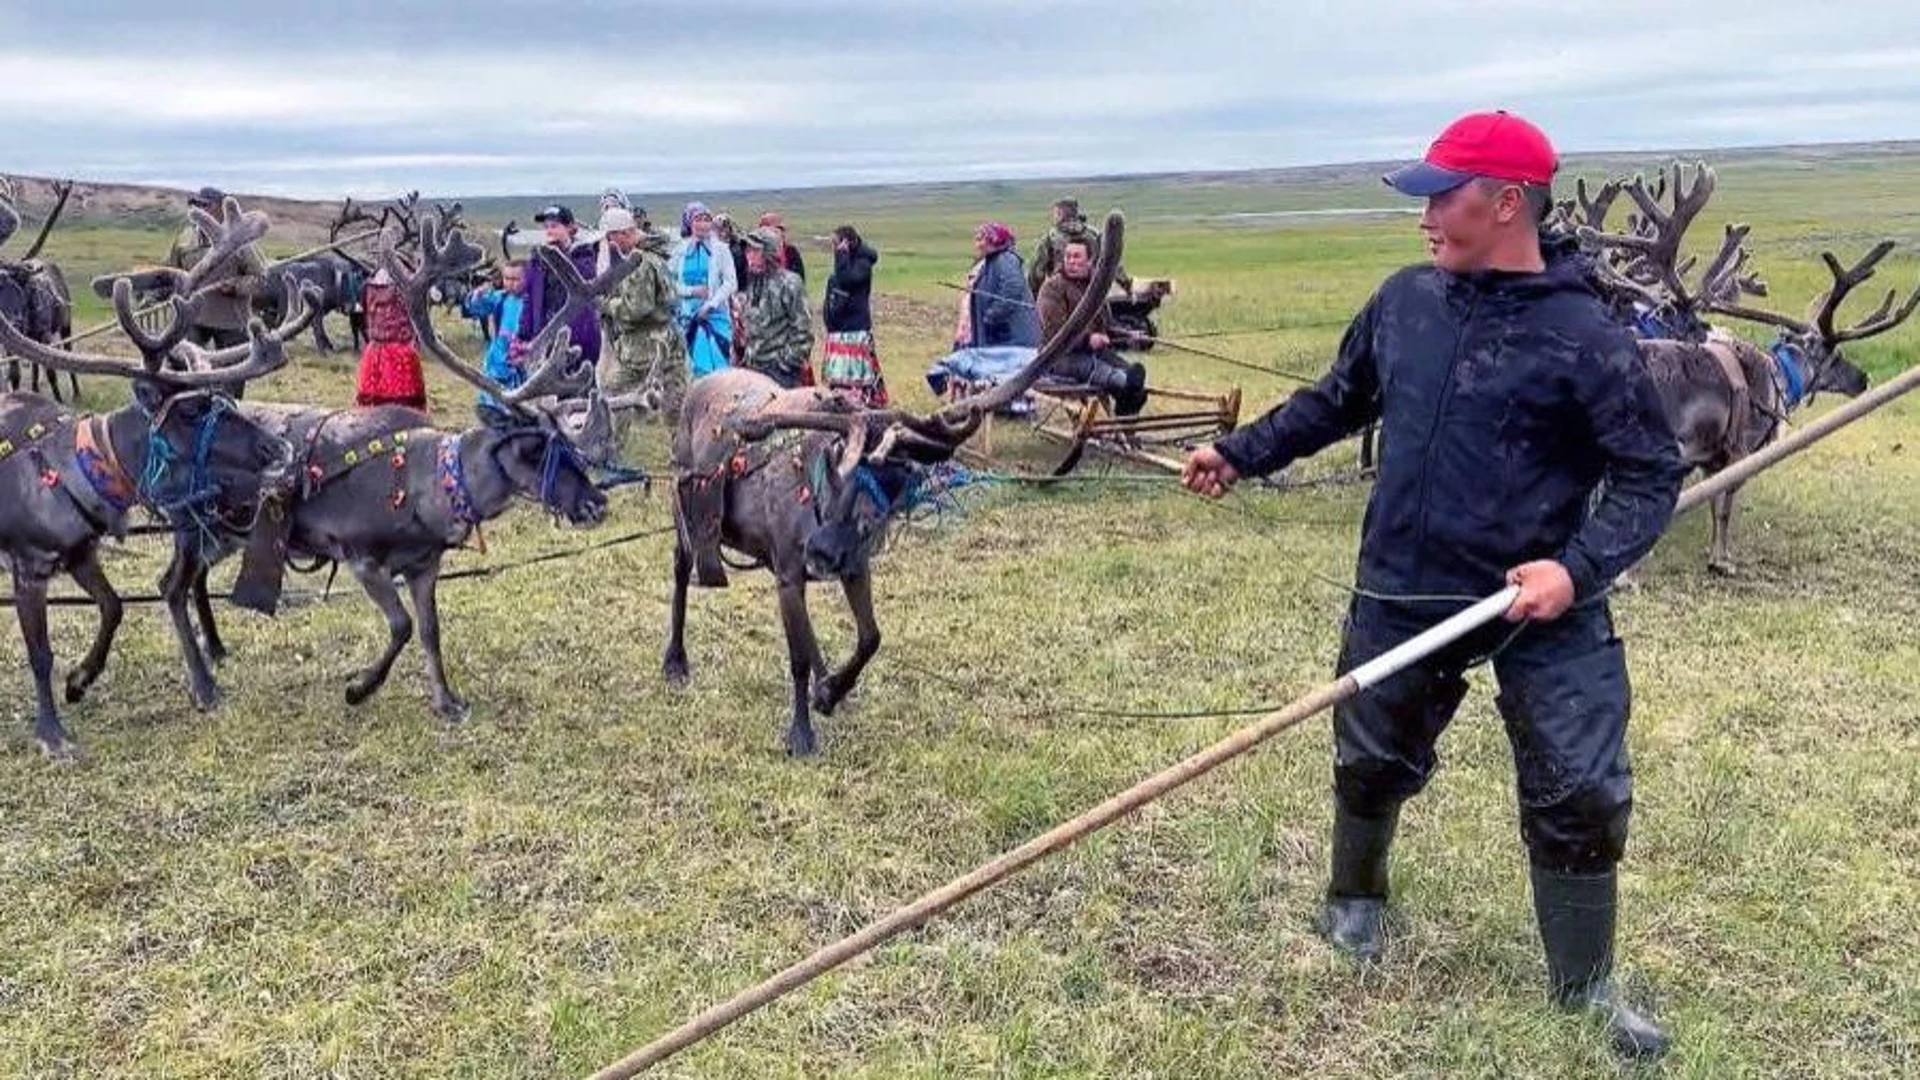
pixel 996 235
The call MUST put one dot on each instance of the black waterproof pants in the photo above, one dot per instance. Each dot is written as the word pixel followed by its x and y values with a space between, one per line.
pixel 1106 372
pixel 1564 696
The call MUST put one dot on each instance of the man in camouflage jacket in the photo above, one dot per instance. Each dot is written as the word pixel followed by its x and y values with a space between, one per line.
pixel 648 349
pixel 1068 228
pixel 224 312
pixel 775 322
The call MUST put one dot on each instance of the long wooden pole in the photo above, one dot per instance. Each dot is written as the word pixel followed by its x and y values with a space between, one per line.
pixel 1060 836
pixel 1234 745
pixel 96 331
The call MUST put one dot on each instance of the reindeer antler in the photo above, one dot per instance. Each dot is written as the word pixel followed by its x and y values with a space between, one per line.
pixel 299 306
pixel 1819 323
pixel 9 217
pixel 263 354
pixel 1656 232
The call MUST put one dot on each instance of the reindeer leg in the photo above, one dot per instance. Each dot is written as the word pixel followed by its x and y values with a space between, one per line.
pixel 176 587
pixel 320 339
pixel 30 601
pixel 674 664
pixel 831 690
pixel 87 574
pixel 13 374
pixel 802 647
pixel 379 586
pixel 1721 560
pixel 203 606
pixel 425 587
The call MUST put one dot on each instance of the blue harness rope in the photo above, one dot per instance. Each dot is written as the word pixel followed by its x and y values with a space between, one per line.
pixel 1786 358
pixel 180 489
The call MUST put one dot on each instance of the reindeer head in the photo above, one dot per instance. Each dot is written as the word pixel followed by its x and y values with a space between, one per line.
pixel 878 466
pixel 547 433
pixel 203 455
pixel 1809 351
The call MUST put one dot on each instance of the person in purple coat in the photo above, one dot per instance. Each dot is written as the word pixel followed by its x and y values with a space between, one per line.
pixel 545 296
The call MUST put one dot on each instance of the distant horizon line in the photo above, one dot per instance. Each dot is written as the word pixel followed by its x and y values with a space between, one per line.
pixel 1088 178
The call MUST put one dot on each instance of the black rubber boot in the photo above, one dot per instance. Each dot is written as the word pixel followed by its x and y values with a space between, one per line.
pixel 1577 914
pixel 1354 917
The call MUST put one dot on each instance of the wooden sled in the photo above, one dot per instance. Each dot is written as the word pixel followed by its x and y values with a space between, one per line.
pixel 1082 418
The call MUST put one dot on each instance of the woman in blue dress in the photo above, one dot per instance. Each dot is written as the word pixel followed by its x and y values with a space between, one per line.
pixel 703 268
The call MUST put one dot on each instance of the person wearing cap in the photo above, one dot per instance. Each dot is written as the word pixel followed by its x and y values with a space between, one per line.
pixel 702 269
pixel 1069 226
pixel 1505 392
pixel 775 323
pixel 647 348
pixel 545 295
pixel 789 255
pixel 221 321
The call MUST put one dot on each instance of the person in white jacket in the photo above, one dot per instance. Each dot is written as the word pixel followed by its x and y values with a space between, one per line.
pixel 702 267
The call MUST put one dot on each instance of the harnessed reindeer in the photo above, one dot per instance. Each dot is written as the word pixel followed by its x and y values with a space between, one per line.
pixel 815 505
pixel 388 494
pixel 181 449
pixel 1725 396
pixel 34 294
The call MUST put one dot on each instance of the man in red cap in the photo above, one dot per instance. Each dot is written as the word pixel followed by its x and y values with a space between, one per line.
pixel 1504 392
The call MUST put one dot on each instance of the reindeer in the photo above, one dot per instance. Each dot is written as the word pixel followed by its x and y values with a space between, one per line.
pixel 388 494
pixel 1725 396
pixel 180 449
pixel 34 293
pixel 814 504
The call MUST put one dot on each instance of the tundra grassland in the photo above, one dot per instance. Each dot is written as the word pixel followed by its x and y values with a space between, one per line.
pixel 288 887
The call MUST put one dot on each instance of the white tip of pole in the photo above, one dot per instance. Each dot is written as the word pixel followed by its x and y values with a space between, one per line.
pixel 1433 639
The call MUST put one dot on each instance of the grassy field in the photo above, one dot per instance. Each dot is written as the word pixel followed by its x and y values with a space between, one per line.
pixel 292 888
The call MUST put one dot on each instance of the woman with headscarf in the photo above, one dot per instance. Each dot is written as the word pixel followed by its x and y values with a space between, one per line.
pixel 999 307
pixel 702 268
pixel 852 365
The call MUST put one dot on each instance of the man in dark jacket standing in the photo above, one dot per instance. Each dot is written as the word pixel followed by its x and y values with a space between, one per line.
pixel 545 295
pixel 1505 392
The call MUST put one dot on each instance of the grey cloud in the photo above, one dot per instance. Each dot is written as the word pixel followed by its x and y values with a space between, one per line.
pixel 489 96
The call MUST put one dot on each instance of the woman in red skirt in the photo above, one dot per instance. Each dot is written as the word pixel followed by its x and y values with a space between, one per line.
pixel 389 368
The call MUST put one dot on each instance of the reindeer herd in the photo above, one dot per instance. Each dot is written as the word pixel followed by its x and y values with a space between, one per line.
pixel 803 482
pixel 797 479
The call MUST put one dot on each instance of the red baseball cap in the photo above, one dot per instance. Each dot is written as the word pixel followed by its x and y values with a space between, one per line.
pixel 1498 145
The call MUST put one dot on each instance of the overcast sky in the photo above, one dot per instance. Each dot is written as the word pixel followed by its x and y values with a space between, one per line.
pixel 368 97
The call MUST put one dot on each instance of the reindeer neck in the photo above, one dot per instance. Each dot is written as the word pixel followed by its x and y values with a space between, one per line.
pixel 476 488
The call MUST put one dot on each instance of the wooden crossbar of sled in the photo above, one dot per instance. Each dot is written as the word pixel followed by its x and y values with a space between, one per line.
pixel 1081 418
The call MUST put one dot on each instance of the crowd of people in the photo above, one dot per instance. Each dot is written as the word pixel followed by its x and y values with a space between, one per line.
pixel 712 297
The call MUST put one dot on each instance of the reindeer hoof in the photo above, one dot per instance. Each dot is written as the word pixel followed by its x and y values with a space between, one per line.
pixel 452 711
pixel 1722 568
pixel 77 688
pixel 800 743
pixel 678 675
pixel 59 749
pixel 360 689
pixel 207 698
pixel 215 652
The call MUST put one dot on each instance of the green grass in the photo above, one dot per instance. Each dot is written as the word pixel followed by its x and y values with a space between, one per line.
pixel 291 888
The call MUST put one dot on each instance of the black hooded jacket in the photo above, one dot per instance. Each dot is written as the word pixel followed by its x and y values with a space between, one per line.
pixel 849 301
pixel 1503 399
